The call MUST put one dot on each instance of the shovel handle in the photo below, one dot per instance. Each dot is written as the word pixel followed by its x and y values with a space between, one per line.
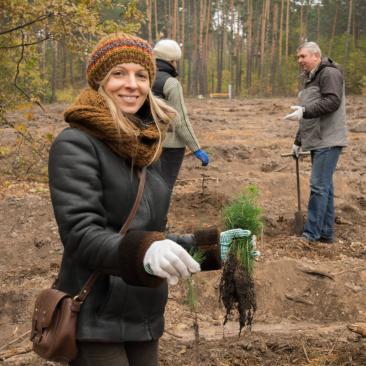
pixel 302 153
pixel 298 186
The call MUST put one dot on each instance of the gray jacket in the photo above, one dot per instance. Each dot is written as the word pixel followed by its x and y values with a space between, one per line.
pixel 168 87
pixel 324 120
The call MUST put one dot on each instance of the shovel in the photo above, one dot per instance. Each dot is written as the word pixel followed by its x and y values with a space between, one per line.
pixel 299 216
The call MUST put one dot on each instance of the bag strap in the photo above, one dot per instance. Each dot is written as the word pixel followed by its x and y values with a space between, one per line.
pixel 84 292
pixel 137 202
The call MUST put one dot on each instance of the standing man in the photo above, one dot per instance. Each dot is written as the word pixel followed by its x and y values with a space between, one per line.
pixel 322 130
pixel 167 86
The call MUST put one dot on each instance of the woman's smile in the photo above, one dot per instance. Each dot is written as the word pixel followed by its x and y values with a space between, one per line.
pixel 128 84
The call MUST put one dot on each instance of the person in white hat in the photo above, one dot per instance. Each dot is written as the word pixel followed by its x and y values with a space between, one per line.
pixel 167 53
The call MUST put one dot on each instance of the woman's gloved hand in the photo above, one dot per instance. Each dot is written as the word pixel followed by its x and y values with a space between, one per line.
pixel 202 155
pixel 226 238
pixel 167 259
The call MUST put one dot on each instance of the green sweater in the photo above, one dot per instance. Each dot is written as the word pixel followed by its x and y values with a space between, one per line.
pixel 182 134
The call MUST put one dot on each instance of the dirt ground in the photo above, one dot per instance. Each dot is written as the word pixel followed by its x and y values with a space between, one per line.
pixel 306 294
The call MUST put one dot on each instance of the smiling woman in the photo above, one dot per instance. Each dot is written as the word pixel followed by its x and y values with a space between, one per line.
pixel 128 84
pixel 117 128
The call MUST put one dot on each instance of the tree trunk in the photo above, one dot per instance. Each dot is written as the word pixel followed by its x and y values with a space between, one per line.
pixel 202 12
pixel 348 36
pixel 157 35
pixel 182 39
pixel 169 19
pixel 71 68
pixel 333 29
pixel 301 40
pixel 174 18
pixel 232 60
pixel 206 50
pixel 273 49
pixel 318 23
pixel 306 17
pixel 239 55
pixel 64 65
pixel 256 39
pixel 194 78
pixel 43 59
pixel 280 42
pixel 220 60
pixel 264 22
pixel 54 71
pixel 286 36
pixel 149 19
pixel 249 47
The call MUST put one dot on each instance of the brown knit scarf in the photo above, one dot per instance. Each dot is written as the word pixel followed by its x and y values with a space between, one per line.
pixel 91 114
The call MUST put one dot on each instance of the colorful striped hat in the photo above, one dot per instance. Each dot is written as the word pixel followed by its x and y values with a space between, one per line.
pixel 117 49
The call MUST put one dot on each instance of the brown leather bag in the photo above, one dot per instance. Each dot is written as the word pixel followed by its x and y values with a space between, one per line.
pixel 54 321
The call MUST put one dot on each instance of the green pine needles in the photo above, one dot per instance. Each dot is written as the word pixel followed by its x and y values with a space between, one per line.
pixel 244 212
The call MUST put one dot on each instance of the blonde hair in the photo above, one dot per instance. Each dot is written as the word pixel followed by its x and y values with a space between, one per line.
pixel 160 111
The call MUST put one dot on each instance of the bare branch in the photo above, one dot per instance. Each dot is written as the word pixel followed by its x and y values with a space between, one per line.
pixel 17 74
pixel 27 136
pixel 38 19
pixel 25 44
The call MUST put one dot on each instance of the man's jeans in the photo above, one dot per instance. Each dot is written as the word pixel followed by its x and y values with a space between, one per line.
pixel 320 220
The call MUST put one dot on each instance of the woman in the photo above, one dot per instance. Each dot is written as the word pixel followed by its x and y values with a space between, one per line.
pixel 116 127
pixel 168 87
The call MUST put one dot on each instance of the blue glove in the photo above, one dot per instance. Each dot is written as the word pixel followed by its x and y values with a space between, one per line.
pixel 202 155
pixel 226 238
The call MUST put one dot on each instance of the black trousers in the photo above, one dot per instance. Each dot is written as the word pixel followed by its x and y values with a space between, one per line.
pixel 171 160
pixel 117 354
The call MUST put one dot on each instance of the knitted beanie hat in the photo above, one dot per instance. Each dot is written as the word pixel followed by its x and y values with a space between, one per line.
pixel 116 49
pixel 167 50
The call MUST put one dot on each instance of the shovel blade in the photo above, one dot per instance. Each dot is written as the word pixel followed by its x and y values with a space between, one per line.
pixel 299 223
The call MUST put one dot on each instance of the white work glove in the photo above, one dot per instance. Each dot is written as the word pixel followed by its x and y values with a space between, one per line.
pixel 296 150
pixel 297 114
pixel 167 259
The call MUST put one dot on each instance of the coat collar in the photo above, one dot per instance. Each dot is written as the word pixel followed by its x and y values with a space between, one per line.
pixel 167 67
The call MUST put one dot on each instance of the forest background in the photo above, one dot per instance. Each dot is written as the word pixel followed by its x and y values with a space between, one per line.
pixel 248 44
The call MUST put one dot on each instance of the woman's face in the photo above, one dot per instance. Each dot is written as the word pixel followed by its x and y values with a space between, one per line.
pixel 129 85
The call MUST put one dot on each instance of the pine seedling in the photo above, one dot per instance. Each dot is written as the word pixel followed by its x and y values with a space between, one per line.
pixel 192 298
pixel 237 288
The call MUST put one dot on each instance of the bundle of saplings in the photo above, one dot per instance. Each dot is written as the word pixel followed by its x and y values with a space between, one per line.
pixel 237 288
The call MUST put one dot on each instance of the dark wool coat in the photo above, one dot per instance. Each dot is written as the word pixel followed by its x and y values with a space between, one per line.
pixel 92 191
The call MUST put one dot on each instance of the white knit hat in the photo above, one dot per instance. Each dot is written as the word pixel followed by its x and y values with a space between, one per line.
pixel 167 50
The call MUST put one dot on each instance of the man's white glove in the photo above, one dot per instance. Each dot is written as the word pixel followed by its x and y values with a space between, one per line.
pixel 167 259
pixel 297 114
pixel 296 150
